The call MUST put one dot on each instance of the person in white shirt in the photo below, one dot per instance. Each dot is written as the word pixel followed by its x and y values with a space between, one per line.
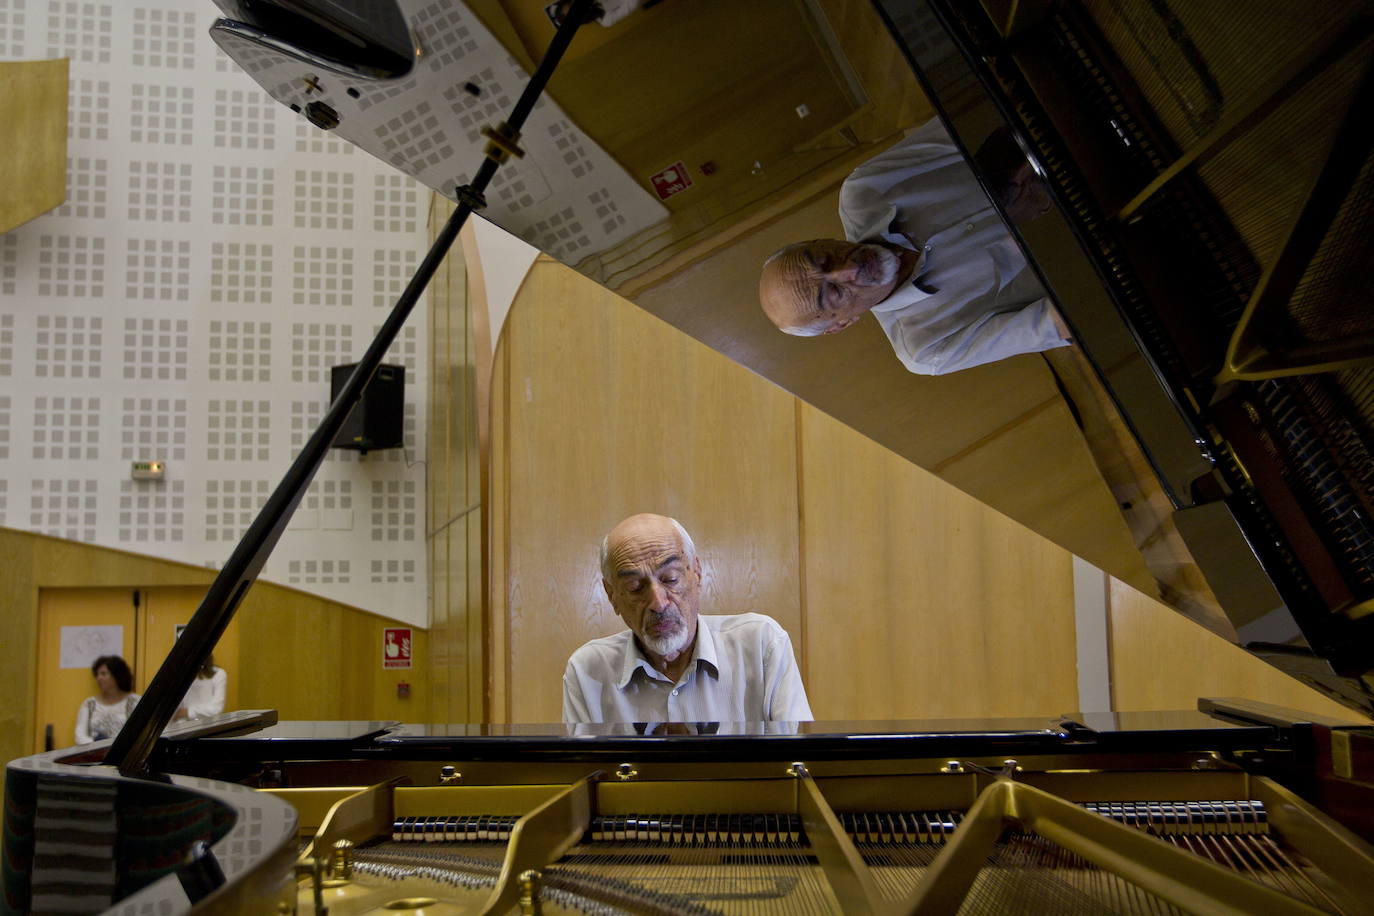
pixel 102 716
pixel 926 252
pixel 205 696
pixel 673 665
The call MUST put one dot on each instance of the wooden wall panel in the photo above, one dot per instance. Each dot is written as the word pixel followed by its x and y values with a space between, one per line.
pixel 33 145
pixel 1161 660
pixel 456 689
pixel 921 602
pixel 610 412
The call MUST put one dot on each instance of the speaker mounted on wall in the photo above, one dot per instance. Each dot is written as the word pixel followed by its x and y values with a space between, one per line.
pixel 377 420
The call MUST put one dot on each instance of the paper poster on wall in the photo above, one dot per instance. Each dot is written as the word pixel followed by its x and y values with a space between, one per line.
pixel 396 647
pixel 80 646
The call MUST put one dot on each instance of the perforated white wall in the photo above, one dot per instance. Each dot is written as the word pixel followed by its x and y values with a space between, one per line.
pixel 215 257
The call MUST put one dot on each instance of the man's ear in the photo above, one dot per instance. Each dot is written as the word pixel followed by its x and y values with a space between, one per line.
pixel 607 586
pixel 696 567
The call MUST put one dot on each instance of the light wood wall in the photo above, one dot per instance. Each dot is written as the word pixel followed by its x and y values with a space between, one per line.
pixel 307 657
pixel 33 145
pixel 605 411
pixel 904 596
pixel 872 564
pixel 459 373
pixel 1161 660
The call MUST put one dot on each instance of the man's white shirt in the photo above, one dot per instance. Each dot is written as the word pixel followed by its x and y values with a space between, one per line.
pixel 742 670
pixel 972 298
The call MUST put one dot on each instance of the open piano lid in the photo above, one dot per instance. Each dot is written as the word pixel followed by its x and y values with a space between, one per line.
pixel 1204 247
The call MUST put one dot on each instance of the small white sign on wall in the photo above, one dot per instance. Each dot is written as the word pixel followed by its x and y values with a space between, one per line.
pixel 83 645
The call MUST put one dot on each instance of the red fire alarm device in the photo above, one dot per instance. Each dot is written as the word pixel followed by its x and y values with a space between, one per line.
pixel 396 647
pixel 672 180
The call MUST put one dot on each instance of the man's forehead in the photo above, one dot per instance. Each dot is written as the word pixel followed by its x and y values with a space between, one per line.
pixel 647 543
pixel 794 282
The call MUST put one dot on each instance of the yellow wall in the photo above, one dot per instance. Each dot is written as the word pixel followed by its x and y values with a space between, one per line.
pixel 904 596
pixel 1161 660
pixel 869 562
pixel 458 374
pixel 33 145
pixel 304 656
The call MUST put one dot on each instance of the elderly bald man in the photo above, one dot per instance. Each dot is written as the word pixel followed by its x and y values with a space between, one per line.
pixel 673 665
pixel 926 253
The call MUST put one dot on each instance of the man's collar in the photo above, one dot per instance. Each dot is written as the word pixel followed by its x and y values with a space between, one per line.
pixel 703 651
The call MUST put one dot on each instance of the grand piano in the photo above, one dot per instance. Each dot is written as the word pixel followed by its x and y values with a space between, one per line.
pixel 1222 377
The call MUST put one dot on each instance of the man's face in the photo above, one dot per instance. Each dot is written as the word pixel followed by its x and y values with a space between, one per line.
pixel 837 280
pixel 652 585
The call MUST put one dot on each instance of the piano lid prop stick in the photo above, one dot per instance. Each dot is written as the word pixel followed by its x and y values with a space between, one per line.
pixel 134 744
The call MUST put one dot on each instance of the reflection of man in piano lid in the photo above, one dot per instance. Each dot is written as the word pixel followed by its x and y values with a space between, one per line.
pixel 928 255
pixel 673 665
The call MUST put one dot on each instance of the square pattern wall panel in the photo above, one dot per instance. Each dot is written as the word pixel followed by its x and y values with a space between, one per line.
pixel 66 428
pixel 80 30
pixel 391 270
pixel 244 119
pixel 215 256
pixel 321 275
pixel 65 507
pixel 5 414
pixel 240 351
pixel 71 266
pixel 12 28
pixel 323 199
pixel 68 346
pixel 159 270
pixel 242 195
pixel 395 203
pixel 393 571
pixel 310 139
pixel 87 188
pixel 238 430
pixel 164 38
pixel 394 509
pixel 153 429
pixel 160 192
pixel 317 347
pixel 231 505
pixel 9 263
pixel 318 572
pixel 6 346
pixel 155 349
pixel 152 510
pixel 162 114
pixel 241 272
pixel 88 110
pixel 305 416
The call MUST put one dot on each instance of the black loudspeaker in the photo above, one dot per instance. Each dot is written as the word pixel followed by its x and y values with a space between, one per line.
pixel 377 420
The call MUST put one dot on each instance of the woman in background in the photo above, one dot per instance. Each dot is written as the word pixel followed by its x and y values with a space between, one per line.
pixel 206 695
pixel 102 716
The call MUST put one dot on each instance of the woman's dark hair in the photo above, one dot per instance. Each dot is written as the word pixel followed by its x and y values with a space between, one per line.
pixel 119 670
pixel 208 668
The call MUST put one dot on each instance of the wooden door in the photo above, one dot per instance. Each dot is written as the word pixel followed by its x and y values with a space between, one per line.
pixel 165 609
pixel 61 689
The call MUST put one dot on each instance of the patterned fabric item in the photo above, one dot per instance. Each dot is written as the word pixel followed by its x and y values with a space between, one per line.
pixel 97 721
